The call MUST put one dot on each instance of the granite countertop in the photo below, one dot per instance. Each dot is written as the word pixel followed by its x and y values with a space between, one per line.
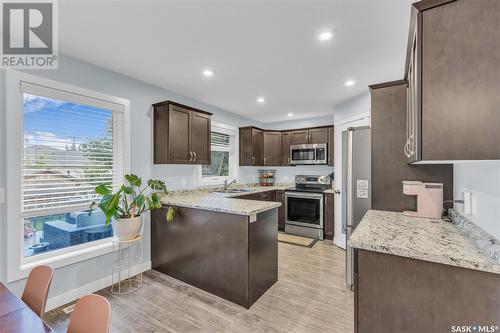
pixel 208 199
pixel 426 239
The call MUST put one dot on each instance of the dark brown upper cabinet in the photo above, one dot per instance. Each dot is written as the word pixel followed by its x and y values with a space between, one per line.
pixel 299 137
pixel 257 146
pixel 389 166
pixel 453 83
pixel 318 135
pixel 271 148
pixel 311 135
pixel 251 146
pixel 330 146
pixel 285 148
pixel 260 147
pixel 181 134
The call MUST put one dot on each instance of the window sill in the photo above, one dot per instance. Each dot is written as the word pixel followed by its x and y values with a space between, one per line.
pixel 212 181
pixel 63 257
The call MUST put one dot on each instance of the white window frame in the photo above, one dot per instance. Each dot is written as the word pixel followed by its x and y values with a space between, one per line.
pixel 233 156
pixel 18 267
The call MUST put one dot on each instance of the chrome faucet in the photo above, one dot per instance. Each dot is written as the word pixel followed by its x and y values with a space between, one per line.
pixel 226 185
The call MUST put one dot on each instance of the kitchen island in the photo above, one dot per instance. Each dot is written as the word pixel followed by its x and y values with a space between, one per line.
pixel 221 244
pixel 424 275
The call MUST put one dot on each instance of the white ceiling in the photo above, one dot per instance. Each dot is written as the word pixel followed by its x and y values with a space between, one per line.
pixel 255 48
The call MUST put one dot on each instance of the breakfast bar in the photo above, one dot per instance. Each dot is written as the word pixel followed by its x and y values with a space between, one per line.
pixel 443 274
pixel 226 246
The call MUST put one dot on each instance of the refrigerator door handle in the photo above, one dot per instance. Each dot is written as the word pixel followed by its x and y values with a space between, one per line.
pixel 349 184
pixel 349 211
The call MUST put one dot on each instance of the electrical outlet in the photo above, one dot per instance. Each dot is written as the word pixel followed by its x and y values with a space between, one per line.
pixel 2 195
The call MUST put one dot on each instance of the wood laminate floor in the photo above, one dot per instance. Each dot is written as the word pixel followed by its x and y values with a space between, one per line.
pixel 310 296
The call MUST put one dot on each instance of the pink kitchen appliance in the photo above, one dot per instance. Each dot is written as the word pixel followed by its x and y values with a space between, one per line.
pixel 429 198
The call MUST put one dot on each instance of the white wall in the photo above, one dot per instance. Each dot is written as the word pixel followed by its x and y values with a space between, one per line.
pixel 142 95
pixel 283 174
pixel 482 179
pixel 355 106
pixel 300 123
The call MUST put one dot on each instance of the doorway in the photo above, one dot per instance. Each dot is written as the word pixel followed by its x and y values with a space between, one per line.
pixel 362 120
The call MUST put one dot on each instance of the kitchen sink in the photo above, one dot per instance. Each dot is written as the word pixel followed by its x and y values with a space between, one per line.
pixel 235 190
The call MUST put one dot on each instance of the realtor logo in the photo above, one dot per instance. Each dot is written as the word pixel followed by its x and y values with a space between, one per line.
pixel 29 34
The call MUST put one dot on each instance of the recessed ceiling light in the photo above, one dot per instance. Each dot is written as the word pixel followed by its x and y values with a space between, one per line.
pixel 324 36
pixel 349 83
pixel 290 114
pixel 208 72
pixel 261 100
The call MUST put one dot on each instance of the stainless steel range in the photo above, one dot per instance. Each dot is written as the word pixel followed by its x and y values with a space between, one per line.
pixel 304 206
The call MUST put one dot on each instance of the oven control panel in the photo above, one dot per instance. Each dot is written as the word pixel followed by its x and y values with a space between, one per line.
pixel 312 180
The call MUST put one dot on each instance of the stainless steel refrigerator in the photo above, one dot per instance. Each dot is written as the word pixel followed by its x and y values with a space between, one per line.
pixel 356 186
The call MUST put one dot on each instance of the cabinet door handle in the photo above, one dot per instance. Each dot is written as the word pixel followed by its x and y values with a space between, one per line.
pixel 405 149
pixel 326 199
pixel 194 158
pixel 264 161
pixel 190 156
pixel 253 160
pixel 411 145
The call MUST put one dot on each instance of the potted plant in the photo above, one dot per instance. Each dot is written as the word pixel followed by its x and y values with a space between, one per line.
pixel 124 208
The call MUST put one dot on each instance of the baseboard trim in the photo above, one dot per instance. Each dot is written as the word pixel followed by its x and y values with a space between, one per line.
pixel 72 295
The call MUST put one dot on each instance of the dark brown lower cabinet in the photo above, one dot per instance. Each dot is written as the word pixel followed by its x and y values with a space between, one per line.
pixel 328 215
pixel 280 197
pixel 265 196
pixel 397 294
pixel 224 254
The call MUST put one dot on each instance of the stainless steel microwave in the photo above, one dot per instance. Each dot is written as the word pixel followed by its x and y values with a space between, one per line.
pixel 308 154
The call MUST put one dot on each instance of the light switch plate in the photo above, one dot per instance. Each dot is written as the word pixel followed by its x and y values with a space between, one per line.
pixel 467 203
pixel 2 195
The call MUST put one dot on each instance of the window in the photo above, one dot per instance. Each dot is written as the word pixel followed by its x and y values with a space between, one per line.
pixel 70 140
pixel 224 156
pixel 68 150
pixel 220 157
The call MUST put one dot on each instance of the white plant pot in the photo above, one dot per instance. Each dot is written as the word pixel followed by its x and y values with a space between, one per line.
pixel 125 229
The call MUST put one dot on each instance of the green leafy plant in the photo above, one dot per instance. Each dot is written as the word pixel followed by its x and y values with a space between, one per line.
pixel 130 200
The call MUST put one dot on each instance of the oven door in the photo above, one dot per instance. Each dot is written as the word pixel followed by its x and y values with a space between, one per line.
pixel 304 209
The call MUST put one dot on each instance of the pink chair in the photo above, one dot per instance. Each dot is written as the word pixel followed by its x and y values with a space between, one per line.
pixel 92 314
pixel 37 288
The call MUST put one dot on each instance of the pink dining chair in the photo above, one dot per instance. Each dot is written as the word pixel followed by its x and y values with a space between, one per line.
pixel 37 288
pixel 92 314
